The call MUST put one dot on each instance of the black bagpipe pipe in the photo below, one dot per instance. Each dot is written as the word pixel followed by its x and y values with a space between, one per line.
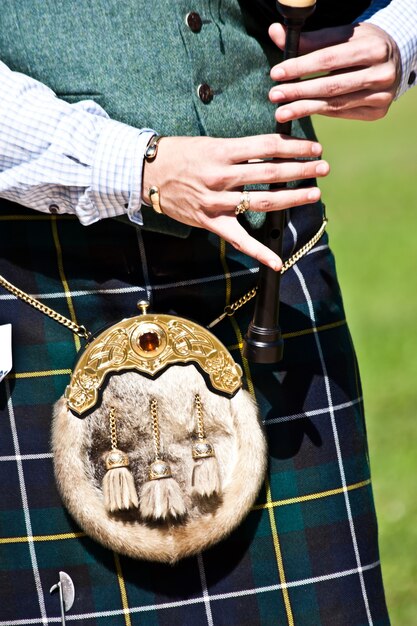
pixel 263 341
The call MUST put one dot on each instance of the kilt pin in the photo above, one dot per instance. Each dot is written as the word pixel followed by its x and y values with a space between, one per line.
pixel 307 553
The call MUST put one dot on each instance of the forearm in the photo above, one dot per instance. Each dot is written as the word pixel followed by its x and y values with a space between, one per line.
pixel 69 158
pixel 398 18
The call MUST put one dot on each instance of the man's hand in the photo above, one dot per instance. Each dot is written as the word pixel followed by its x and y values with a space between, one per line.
pixel 201 180
pixel 359 69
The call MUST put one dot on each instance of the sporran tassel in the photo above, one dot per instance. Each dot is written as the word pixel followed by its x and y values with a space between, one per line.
pixel 161 495
pixel 119 490
pixel 206 473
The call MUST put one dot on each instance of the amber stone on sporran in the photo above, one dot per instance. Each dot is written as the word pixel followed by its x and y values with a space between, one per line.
pixel 149 341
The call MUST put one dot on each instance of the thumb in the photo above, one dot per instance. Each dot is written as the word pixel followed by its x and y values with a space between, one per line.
pixel 277 34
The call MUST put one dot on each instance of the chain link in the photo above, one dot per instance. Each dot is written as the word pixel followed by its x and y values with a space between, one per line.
pixel 113 429
pixel 306 248
pixel 200 424
pixel 155 429
pixel 231 309
pixel 81 331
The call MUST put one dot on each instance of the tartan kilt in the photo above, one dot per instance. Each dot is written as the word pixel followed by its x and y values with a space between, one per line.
pixel 307 553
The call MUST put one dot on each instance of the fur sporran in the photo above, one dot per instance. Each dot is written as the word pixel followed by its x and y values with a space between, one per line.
pixel 158 451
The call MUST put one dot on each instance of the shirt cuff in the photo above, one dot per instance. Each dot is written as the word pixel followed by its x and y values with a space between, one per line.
pixel 116 178
pixel 399 20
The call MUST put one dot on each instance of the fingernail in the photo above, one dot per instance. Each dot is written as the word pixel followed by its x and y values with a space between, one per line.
pixel 316 149
pixel 314 194
pixel 275 265
pixel 276 95
pixel 322 168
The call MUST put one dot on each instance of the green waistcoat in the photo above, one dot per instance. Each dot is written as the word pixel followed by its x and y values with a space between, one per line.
pixel 143 64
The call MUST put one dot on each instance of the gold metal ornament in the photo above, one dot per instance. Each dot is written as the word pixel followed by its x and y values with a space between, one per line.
pixel 119 492
pixel 202 449
pixel 155 199
pixel 161 496
pixel 148 344
pixel 206 479
pixel 159 468
pixel 116 458
pixel 244 204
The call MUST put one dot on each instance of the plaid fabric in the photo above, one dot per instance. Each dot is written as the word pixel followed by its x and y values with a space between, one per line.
pixel 307 553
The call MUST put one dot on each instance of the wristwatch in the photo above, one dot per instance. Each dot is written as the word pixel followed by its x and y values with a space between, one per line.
pixel 152 148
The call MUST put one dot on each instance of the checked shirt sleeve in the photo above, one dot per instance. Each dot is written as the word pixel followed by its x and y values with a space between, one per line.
pixel 67 158
pixel 398 18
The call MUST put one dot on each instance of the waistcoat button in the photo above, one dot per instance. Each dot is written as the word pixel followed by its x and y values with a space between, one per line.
pixel 53 208
pixel 412 78
pixel 205 93
pixel 193 21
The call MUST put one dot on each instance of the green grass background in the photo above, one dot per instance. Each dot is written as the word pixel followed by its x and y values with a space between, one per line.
pixel 371 199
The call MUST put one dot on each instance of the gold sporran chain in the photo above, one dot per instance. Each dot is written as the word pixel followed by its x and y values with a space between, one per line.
pixel 81 331
pixel 229 310
pixel 113 428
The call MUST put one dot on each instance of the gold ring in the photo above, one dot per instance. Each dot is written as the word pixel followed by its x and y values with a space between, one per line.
pixel 244 204
pixel 154 198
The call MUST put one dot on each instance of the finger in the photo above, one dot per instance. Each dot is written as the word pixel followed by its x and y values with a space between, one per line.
pixel 376 78
pixel 272 172
pixel 278 33
pixel 355 53
pixel 365 114
pixel 314 40
pixel 333 36
pixel 274 200
pixel 326 37
pixel 334 107
pixel 229 229
pixel 273 146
